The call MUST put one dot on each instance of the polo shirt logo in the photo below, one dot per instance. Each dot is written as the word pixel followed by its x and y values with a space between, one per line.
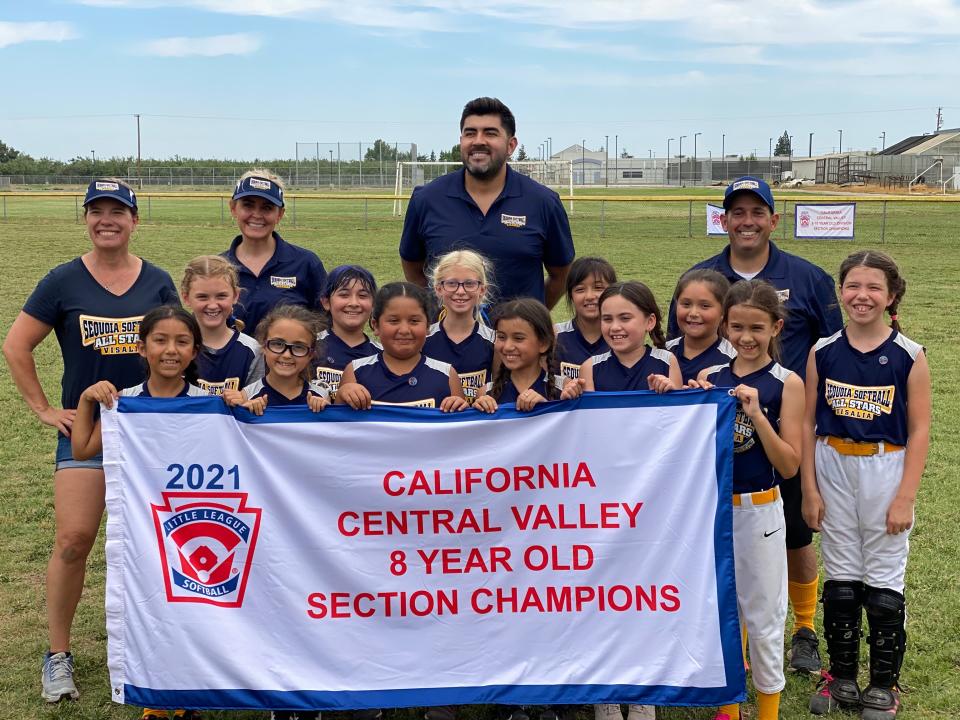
pixel 783 295
pixel 284 283
pixel 513 220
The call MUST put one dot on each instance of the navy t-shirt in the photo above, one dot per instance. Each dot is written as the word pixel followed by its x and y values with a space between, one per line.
pixel 263 388
pixel 863 395
pixel 472 358
pixel 573 349
pixel 424 386
pixel 334 355
pixel 612 375
pixel 232 367
pixel 720 353
pixel 97 331
pixel 752 470
pixel 807 293
pixel 293 276
pixel 525 228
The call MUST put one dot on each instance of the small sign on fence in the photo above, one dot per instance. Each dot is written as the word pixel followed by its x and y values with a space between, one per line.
pixel 835 220
pixel 715 215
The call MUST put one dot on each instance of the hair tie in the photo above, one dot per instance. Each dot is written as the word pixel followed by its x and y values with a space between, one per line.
pixel 893 316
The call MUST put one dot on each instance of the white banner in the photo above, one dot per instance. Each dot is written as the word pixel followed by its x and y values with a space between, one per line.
pixel 715 215
pixel 397 557
pixel 834 220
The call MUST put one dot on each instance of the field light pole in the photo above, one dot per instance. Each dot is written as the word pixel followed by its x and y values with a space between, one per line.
pixel 139 178
pixel 616 160
pixel 810 148
pixel 723 154
pixel 680 162
pixel 667 173
pixel 695 173
pixel 583 161
pixel 550 147
pixel 883 138
pixel 606 161
pixel 331 166
pixel 840 148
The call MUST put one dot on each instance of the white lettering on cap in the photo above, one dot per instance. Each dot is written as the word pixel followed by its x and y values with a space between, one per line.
pixel 108 186
pixel 259 184
pixel 746 185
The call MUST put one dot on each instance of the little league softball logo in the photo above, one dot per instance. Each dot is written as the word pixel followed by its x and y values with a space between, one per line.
pixel 206 546
pixel 804 219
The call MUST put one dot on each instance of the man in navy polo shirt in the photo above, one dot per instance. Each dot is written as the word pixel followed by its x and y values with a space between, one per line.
pixel 807 293
pixel 515 222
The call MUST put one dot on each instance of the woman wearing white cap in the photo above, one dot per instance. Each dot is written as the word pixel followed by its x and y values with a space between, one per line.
pixel 94 304
pixel 272 271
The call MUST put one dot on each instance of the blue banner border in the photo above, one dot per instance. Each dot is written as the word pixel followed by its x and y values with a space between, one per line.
pixel 663 695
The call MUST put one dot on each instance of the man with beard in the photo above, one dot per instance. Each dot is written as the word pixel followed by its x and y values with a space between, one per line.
pixel 515 222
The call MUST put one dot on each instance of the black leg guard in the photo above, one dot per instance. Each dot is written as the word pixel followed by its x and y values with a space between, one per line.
pixel 842 602
pixel 888 636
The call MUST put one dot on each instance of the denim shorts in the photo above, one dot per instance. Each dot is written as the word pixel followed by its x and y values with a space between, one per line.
pixel 65 459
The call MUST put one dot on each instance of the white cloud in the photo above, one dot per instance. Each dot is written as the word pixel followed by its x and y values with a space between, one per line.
pixel 211 46
pixel 13 33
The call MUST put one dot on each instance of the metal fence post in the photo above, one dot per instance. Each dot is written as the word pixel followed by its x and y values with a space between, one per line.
pixel 602 208
pixel 690 219
pixel 883 223
pixel 783 220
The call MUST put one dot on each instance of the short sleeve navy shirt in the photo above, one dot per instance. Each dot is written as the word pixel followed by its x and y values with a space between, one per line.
pixel 97 331
pixel 525 229
pixel 807 293
pixel 293 276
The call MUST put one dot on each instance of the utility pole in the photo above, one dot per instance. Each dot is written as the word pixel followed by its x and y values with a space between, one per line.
pixel 606 161
pixel 939 118
pixel 666 174
pixel 139 176
pixel 695 173
pixel 680 162
pixel 810 151
pixel 840 149
pixel 883 139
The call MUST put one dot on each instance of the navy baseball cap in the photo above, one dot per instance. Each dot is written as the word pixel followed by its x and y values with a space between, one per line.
pixel 751 184
pixel 260 187
pixel 110 189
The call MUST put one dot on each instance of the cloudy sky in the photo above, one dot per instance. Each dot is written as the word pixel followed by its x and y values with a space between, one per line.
pixel 250 78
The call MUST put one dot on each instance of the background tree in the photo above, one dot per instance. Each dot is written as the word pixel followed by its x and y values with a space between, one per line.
pixel 783 148
pixel 522 154
pixel 7 153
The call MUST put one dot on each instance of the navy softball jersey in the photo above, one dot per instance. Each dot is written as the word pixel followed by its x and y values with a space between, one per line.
pixel 263 388
pixel 752 471
pixel 472 358
pixel 232 367
pixel 612 375
pixel 509 392
pixel 806 291
pixel 573 349
pixel 292 276
pixel 863 396
pixel 142 390
pixel 334 355
pixel 97 330
pixel 720 353
pixel 425 386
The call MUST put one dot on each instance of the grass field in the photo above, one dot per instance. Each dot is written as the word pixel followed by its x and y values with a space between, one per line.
pixel 647 241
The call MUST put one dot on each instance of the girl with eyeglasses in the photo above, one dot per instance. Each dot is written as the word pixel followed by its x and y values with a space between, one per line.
pixel 461 338
pixel 288 335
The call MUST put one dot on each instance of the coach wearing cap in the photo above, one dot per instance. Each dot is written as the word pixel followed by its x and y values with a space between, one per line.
pixel 272 271
pixel 94 304
pixel 515 222
pixel 807 293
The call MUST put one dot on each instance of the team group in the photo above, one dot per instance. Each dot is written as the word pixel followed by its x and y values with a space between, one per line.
pixel 841 412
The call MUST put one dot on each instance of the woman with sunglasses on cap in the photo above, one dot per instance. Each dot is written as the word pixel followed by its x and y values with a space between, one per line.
pixel 272 271
pixel 94 304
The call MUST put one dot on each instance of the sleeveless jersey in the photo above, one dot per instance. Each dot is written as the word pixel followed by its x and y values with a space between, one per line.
pixel 425 386
pixel 573 349
pixel 752 470
pixel 720 353
pixel 262 388
pixel 142 390
pixel 472 358
pixel 610 374
pixel 863 396
pixel 509 392
pixel 334 355
pixel 232 367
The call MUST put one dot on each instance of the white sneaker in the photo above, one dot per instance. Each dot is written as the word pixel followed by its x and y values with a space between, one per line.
pixel 607 712
pixel 642 712
pixel 57 678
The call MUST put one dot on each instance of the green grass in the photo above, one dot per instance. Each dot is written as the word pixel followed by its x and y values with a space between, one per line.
pixel 648 241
